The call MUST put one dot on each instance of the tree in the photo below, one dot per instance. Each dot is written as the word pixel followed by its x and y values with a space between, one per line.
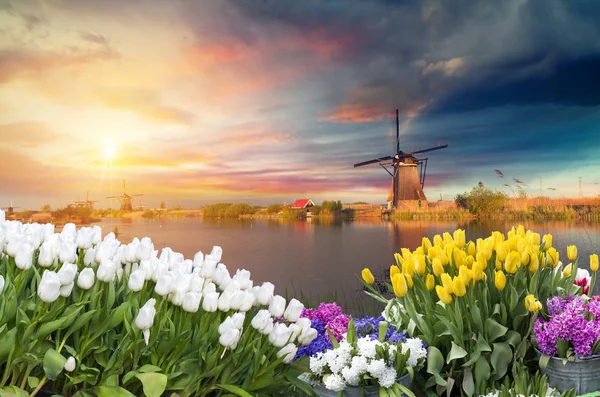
pixel 482 201
pixel 162 205
pixel 46 208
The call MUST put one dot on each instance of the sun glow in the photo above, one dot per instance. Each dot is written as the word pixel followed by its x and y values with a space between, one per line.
pixel 110 152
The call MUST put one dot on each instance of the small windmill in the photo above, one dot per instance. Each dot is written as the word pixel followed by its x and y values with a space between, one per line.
pixel 125 199
pixel 10 209
pixel 87 203
pixel 407 171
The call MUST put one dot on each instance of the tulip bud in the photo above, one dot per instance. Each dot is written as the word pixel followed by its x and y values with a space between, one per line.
pixel 394 270
pixel 459 238
pixel 224 303
pixel 477 271
pixel 191 302
pixel 49 287
pixel 307 336
pixel 459 286
pixel 265 293
pixel 280 335
pixel 67 273
pixel 230 338
pixel 67 251
pixel 248 301
pixel 164 285
pixel 500 280
pixel 210 301
pixel 209 267
pixel 567 270
pixel 144 249
pixel 426 244
pixel 572 252
pixel 594 262
pixel 294 310
pixel 221 276
pixel 70 364
pixel 288 352
pixel 261 321
pixel 512 263
pixel 367 276
pixel 107 270
pixel 430 282
pixel 502 252
pixel 85 280
pixel 447 282
pixel 438 269
pixel 399 284
pixel 534 263
pixel 47 254
pixel 242 277
pixel 198 259
pixel 24 258
pixel 443 294
pixel 69 232
pixel 84 238
pixel 277 306
pixel 136 280
pixel 65 290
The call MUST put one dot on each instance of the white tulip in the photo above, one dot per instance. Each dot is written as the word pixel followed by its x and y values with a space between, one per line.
pixel 294 310
pixel 237 299
pixel 13 243
pixel 122 254
pixel 289 352
pixel 188 266
pixel 295 331
pixel 243 279
pixel 85 280
pixel 196 283
pixel 2 216
pixel 69 232
pixel 136 280
pixel 149 268
pixel 261 322
pixel 84 238
pixel 191 302
pixel 265 293
pixel 208 267
pixel 230 338
pixel 2 241
pixel 119 273
pixel 164 285
pixel 226 324
pixel 210 301
pixel 107 270
pixel 221 276
pixel 209 287
pixel 232 286
pixel 238 320
pixel 67 273
pixel 248 301
pixel 224 304
pixel 1 284
pixel 280 335
pixel 182 282
pixel 307 336
pixel 145 318
pixel 49 288
pixel 67 251
pixel 277 306
pixel 97 235
pixel 217 253
pixel 47 255
pixel 70 364
pixel 303 323
pixel 65 290
pixel 144 249
pixel 89 259
pixel 198 259
pixel 24 258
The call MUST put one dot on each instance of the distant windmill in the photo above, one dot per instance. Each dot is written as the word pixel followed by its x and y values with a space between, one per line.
pixel 125 199
pixel 87 203
pixel 408 172
pixel 10 209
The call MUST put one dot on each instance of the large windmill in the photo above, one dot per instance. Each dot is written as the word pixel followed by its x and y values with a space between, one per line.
pixel 87 203
pixel 125 199
pixel 10 209
pixel 407 171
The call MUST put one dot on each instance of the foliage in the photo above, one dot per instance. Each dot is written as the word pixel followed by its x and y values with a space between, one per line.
pixel 482 201
pixel 227 210
pixel 162 205
pixel 66 214
pixel 274 208
pixel 471 302
pixel 82 316
pixel 331 206
pixel 46 208
pixel 527 384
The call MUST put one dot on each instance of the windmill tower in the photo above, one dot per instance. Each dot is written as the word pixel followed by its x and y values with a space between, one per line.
pixel 407 171
pixel 10 209
pixel 87 203
pixel 125 199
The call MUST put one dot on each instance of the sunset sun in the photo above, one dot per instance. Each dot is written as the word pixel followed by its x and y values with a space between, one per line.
pixel 110 152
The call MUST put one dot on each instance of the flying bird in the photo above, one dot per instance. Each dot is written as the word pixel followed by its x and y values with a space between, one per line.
pixel 500 174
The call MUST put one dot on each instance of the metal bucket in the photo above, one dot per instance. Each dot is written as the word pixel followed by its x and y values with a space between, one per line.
pixel 583 374
pixel 369 391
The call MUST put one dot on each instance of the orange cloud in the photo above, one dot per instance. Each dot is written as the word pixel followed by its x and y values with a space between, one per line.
pixel 355 113
pixel 27 134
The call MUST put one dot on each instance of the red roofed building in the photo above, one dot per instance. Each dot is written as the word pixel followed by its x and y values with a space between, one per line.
pixel 302 203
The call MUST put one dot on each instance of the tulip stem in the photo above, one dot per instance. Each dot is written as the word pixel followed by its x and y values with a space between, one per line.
pixel 27 372
pixel 39 387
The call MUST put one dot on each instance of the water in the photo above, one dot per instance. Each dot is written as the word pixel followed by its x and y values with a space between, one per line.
pixel 325 257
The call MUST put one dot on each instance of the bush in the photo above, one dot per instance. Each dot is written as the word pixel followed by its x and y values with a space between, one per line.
pixel 482 201
pixel 228 210
pixel 274 208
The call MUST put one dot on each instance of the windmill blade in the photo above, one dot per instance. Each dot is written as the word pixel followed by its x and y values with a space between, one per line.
pixel 111 197
pixel 397 132
pixel 374 161
pixel 430 149
pixel 136 195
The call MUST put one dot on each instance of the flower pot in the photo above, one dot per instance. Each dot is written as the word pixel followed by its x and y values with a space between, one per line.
pixel 369 391
pixel 581 374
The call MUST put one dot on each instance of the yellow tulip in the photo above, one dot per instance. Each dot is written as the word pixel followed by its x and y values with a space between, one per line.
pixel 449 252
pixel 553 257
pixel 443 257
pixel 529 301
pixel 521 231
pixel 547 240
pixel 512 263
pixel 430 282
pixel 420 265
pixel 399 259
pixel 500 280
pixel 447 282
pixel 399 285
pixel 466 274
pixel 438 269
pixel 538 306
pixel 471 249
pixel 526 257
pixel 499 265
pixel 567 270
pixel 459 286
pixel 419 251
pixel 448 238
pixel 511 233
pixel 522 245
pixel 594 262
pixel 460 257
pixel 497 239
pixel 408 267
pixel 534 264
pixel 426 244
pixel 535 239
pixel 513 243
pixel 459 238
pixel 437 241
pixel 469 262
pixel 394 270
pixel 572 252
pixel 480 257
pixel 488 247
pixel 409 280
pixel 368 276
pixel 443 294
pixel 502 251
pixel 477 271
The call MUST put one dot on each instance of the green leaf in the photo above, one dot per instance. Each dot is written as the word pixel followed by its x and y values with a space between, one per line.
pixel 482 372
pixel 501 358
pixel 111 391
pixel 234 389
pixel 61 323
pixel 33 382
pixel 468 385
pixel 562 346
pixel 53 364
pixel 8 344
pixel 544 360
pixel 513 338
pixel 153 383
pixel 494 330
pixel 351 336
pixel 149 368
pixel 456 352
pixel 435 363
pixel 80 322
pixel 13 391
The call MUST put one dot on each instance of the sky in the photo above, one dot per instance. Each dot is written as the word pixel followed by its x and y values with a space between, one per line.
pixel 264 101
